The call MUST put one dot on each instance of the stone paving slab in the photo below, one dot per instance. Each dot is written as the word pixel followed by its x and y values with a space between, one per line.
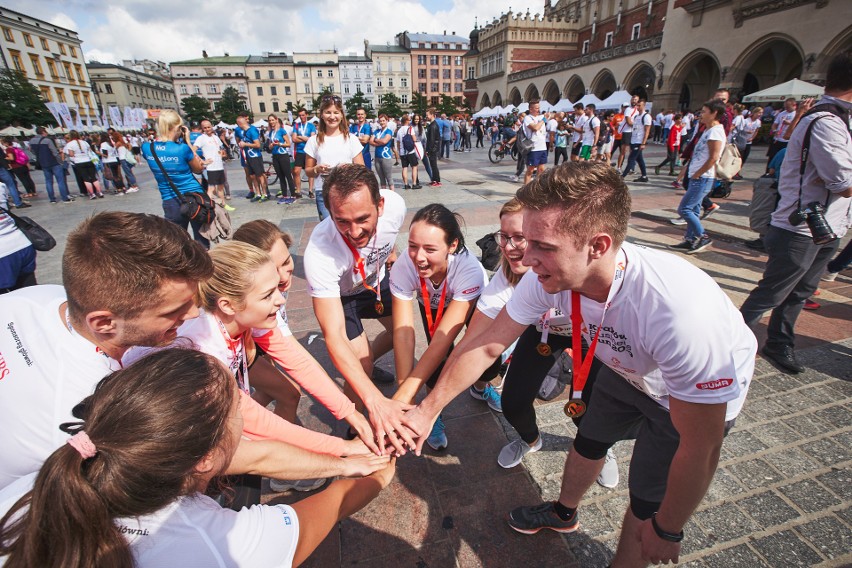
pixel 782 495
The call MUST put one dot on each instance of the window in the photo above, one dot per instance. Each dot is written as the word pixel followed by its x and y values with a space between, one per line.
pixel 585 47
pixel 62 48
pixel 270 74
pixel 421 87
pixel 433 87
pixel 273 91
pixel 434 45
pixel 634 33
pixel 357 74
pixel 45 94
pixel 286 90
pixel 319 73
pixel 307 87
pixel 60 95
pixel 403 82
pixel 73 51
pixel 108 88
pixel 404 99
pixel 76 95
pixel 28 39
pixel 471 72
pixel 433 101
pixel 433 59
pixel 275 106
pixel 305 73
pixel 403 66
pixel 446 87
pixel 421 59
pixel 51 66
pixel 433 73
pixel 286 74
pixel 257 74
pixel 68 72
pixel 212 89
pixel 378 81
pixel 346 89
pixel 330 73
pixel 357 87
pixel 445 60
pixel 447 73
pixel 390 66
pixel 196 89
pixel 608 40
pixel 459 88
pixel 390 81
pixel 16 61
pixel 369 88
pixel 422 45
pixel 262 107
pixel 345 73
pixel 241 88
pixel 44 45
pixel 7 33
pixel 79 70
pixel 34 60
pixel 421 73
pixel 321 87
pixel 183 90
pixel 458 60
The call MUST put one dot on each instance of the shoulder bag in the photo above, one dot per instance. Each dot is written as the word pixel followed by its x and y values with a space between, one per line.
pixel 195 205
pixel 38 235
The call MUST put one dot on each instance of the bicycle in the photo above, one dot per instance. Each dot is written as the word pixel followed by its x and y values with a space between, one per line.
pixel 271 174
pixel 500 150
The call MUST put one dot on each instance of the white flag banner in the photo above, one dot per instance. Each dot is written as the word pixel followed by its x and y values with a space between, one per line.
pixel 103 118
pixel 79 124
pixel 128 117
pixel 143 116
pixel 65 113
pixel 55 112
pixel 115 116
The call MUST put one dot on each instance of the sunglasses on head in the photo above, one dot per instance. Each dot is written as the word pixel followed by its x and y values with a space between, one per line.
pixel 332 98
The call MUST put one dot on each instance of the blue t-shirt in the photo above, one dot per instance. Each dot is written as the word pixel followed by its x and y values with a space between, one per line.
pixel 364 130
pixel 175 159
pixel 384 151
pixel 249 136
pixel 193 136
pixel 279 135
pixel 303 130
pixel 446 129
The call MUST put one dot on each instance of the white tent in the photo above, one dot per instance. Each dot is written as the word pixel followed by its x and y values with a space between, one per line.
pixel 260 123
pixel 509 109
pixel 483 112
pixel 545 106
pixel 222 125
pixel 590 99
pixel 796 89
pixel 564 105
pixel 15 131
pixel 614 101
pixel 497 111
pixel 523 107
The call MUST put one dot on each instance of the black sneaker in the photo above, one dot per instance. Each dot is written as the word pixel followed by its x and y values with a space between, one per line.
pixel 250 195
pixel 684 246
pixel 641 179
pixel 700 244
pixel 24 205
pixel 783 358
pixel 756 244
pixel 381 376
pixel 530 520
pixel 416 186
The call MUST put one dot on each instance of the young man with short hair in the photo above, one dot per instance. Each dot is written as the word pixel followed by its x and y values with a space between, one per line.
pixel 213 150
pixel 302 132
pixel 535 129
pixel 641 129
pixel 251 158
pixel 591 132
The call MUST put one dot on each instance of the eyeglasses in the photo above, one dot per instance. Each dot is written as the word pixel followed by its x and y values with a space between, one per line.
pixel 331 98
pixel 517 241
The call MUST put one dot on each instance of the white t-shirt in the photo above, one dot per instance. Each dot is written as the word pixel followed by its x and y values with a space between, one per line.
pixel 639 124
pixel 333 151
pixel 748 127
pixel 110 151
pixel 45 370
pixel 589 130
pixel 669 330
pixel 194 531
pixel 465 280
pixel 12 239
pixel 330 265
pixel 702 152
pixel 579 122
pixel 539 137
pixel 210 147
pixel 400 133
pixel 80 149
pixel 632 113
pixel 668 120
pixel 499 291
pixel 780 124
pixel 685 123
pixel 552 125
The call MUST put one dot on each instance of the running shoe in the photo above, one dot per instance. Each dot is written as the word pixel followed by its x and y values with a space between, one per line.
pixel 437 439
pixel 530 520
pixel 684 246
pixel 700 244
pixel 829 276
pixel 489 395
pixel 281 485
pixel 513 452
pixel 709 211
pixel 229 208
pixel 678 221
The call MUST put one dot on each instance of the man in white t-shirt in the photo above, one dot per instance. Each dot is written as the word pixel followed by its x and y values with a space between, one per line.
pixel 641 129
pixel 535 128
pixel 552 125
pixel 213 150
pixel 779 128
pixel 673 390
pixel 591 132
pixel 345 266
pixel 577 134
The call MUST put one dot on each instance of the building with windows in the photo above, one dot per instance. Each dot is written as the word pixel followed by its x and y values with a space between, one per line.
pixel 51 58
pixel 209 76
pixel 148 66
pixel 271 83
pixel 437 66
pixel 120 86
pixel 391 71
pixel 356 74
pixel 315 73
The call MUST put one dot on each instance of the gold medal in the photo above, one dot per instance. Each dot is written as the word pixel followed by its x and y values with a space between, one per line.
pixel 575 408
pixel 544 349
pixel 380 308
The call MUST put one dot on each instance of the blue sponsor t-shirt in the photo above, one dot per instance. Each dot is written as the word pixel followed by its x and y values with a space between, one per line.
pixel 175 159
pixel 249 136
pixel 364 130
pixel 279 135
pixel 193 136
pixel 300 129
pixel 386 150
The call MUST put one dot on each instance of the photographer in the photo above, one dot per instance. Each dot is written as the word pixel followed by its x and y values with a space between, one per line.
pixel 812 213
pixel 178 163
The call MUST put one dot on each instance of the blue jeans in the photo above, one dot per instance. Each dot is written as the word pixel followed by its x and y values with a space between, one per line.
pixel 445 148
pixel 634 158
pixel 58 172
pixel 6 177
pixel 128 173
pixel 321 209
pixel 171 211
pixel 690 205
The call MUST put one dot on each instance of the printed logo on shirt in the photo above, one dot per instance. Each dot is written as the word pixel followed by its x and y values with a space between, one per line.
pixel 714 385
pixel 616 341
pixel 470 290
pixel 4 368
pixel 124 529
pixel 19 346
pixel 616 365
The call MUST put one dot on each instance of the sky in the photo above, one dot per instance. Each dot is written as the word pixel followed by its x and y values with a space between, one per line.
pixel 170 30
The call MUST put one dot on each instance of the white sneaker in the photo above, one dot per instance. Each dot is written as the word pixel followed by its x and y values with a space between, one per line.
pixel 513 452
pixel 133 190
pixel 829 276
pixel 678 221
pixel 281 485
pixel 608 477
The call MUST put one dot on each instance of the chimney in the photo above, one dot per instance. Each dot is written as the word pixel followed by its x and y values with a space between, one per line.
pixel 226 54
pixel 204 53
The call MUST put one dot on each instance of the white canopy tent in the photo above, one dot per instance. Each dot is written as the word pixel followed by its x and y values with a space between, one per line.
pixel 15 131
pixel 589 99
pixel 509 109
pixel 614 101
pixel 497 111
pixel 564 105
pixel 223 125
pixel 795 88
pixel 545 106
pixel 483 113
pixel 523 107
pixel 260 123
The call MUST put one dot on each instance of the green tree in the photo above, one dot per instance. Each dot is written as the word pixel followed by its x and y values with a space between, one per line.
pixel 22 102
pixel 419 104
pixel 230 105
pixel 359 100
pixel 196 108
pixel 447 105
pixel 294 107
pixel 389 105
pixel 465 106
pixel 318 101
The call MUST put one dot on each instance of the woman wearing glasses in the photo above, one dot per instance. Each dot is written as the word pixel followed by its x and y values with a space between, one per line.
pixel 330 146
pixel 444 280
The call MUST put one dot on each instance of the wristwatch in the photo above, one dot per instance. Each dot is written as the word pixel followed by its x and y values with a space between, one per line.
pixel 671 537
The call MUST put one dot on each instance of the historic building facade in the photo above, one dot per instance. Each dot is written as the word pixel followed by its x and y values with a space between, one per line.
pixel 120 86
pixel 271 83
pixel 356 74
pixel 209 76
pixel 316 72
pixel 437 66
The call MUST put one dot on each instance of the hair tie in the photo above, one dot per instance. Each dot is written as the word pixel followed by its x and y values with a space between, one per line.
pixel 83 444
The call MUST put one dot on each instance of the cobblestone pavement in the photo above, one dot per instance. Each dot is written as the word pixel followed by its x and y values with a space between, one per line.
pixel 782 495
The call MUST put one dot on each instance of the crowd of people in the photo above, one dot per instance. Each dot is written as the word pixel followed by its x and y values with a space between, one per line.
pixel 177 361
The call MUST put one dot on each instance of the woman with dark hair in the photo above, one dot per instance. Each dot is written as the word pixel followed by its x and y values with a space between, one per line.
pixel 20 168
pixel 280 145
pixel 420 137
pixel 383 141
pixel 123 151
pixel 109 154
pixel 330 146
pixel 97 500
pixel 77 151
pixel 444 279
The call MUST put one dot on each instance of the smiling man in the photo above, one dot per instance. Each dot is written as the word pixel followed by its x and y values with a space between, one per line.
pixel 347 279
pixel 676 392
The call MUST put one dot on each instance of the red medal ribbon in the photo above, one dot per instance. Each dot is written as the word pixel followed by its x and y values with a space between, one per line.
pixel 359 269
pixel 582 365
pixel 427 306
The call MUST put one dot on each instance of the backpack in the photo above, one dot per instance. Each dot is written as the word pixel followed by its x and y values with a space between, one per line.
pixel 524 144
pixel 490 252
pixel 408 142
pixel 21 157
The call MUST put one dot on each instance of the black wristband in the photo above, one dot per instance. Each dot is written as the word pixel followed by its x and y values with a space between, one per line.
pixel 671 537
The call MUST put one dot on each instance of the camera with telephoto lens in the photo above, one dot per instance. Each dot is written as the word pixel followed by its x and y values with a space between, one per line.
pixel 815 217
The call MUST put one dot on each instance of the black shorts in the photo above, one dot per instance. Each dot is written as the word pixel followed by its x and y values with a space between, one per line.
pixel 409 160
pixel 87 172
pixel 254 166
pixel 216 177
pixel 299 160
pixel 363 306
pixel 575 148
